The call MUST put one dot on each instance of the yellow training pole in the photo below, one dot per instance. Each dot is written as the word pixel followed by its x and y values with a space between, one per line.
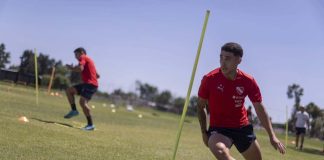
pixel 286 140
pixel 185 107
pixel 51 80
pixel 36 76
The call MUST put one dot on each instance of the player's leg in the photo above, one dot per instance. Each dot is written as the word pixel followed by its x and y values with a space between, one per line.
pixel 301 141
pixel 86 95
pixel 70 92
pixel 220 145
pixel 245 141
pixel 253 152
pixel 86 110
pixel 297 137
pixel 302 135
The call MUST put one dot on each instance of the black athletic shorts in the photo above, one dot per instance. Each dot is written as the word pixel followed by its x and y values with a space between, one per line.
pixel 86 90
pixel 300 130
pixel 242 137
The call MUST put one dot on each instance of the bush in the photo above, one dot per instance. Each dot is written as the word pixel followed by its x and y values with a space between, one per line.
pixel 61 82
pixel 45 80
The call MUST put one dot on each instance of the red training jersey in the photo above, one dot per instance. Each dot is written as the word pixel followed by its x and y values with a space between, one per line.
pixel 226 97
pixel 89 73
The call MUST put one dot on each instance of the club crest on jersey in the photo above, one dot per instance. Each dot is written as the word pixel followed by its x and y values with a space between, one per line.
pixel 240 90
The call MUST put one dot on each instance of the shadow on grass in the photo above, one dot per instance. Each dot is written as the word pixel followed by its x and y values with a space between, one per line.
pixel 313 151
pixel 57 123
pixel 309 150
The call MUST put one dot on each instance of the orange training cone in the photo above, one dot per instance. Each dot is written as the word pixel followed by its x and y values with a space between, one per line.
pixel 23 119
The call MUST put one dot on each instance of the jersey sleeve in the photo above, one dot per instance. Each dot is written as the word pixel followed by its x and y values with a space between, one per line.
pixel 254 92
pixel 203 89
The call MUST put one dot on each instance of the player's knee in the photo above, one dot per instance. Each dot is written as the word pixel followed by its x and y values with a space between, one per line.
pixel 219 149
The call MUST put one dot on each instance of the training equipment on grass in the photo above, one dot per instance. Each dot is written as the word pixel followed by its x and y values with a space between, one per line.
pixel 185 107
pixel 129 108
pixel 23 119
pixel 36 76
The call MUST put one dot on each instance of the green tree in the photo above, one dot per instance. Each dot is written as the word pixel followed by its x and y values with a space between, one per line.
pixel 313 110
pixel 4 56
pixel 27 62
pixel 178 104
pixel 119 92
pixel 45 64
pixel 294 91
pixel 14 67
pixel 192 108
pixel 60 69
pixel 315 113
pixel 147 91
pixel 318 127
pixel 61 82
pixel 164 98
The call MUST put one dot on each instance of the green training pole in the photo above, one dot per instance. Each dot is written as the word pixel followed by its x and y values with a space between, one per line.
pixel 185 107
pixel 286 138
pixel 36 76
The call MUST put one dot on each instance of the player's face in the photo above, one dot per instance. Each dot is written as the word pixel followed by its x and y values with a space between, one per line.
pixel 77 55
pixel 302 109
pixel 229 62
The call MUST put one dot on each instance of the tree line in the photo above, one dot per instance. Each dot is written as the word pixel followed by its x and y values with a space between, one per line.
pixel 62 78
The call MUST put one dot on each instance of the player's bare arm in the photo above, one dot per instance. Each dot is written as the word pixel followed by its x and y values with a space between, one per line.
pixel 202 104
pixel 265 121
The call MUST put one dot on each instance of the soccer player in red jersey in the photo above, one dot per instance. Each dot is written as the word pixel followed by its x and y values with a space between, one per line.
pixel 222 93
pixel 86 89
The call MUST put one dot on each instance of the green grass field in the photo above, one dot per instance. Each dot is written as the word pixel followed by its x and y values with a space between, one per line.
pixel 119 136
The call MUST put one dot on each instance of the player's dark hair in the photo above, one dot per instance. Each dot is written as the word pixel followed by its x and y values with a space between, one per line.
pixel 234 48
pixel 80 50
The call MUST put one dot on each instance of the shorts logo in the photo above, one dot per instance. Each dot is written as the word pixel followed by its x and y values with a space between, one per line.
pixel 240 90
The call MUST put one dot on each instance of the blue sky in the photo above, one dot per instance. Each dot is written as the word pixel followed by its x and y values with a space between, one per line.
pixel 155 41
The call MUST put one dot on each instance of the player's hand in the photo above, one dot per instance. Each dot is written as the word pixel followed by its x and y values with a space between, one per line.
pixel 277 145
pixel 205 138
pixel 98 76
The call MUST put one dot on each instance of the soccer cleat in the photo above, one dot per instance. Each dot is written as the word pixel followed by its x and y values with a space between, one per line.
pixel 71 114
pixel 89 128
